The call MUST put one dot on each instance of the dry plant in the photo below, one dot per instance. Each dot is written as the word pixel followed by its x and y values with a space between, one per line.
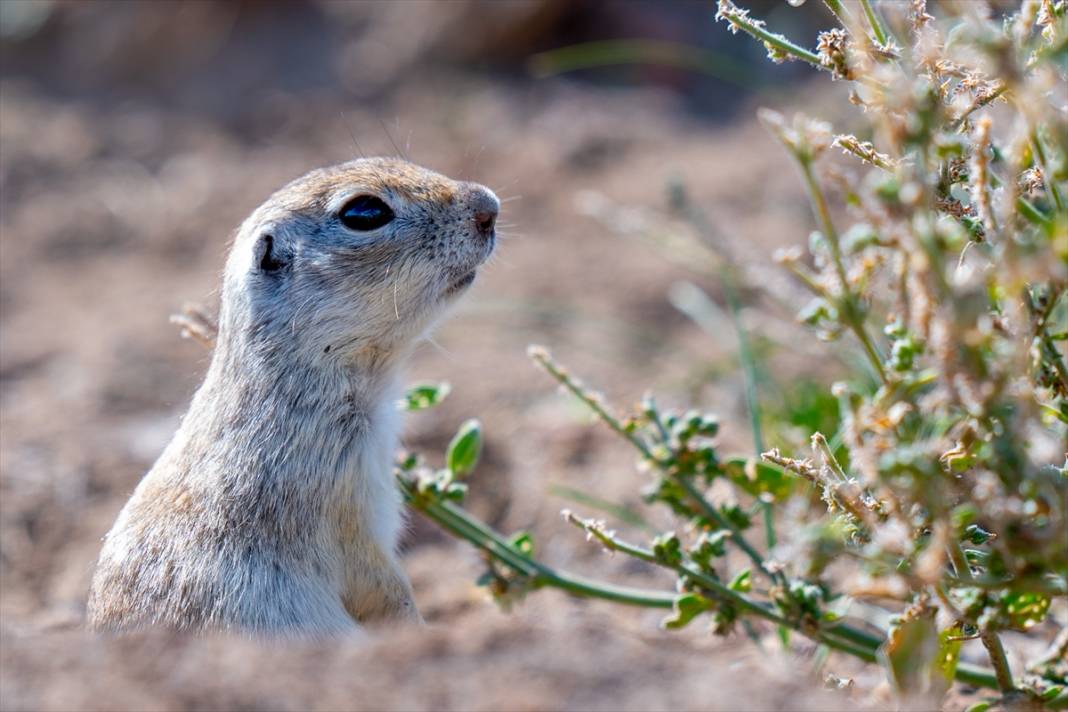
pixel 937 513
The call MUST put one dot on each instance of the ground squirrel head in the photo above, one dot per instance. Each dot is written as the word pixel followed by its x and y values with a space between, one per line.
pixel 355 259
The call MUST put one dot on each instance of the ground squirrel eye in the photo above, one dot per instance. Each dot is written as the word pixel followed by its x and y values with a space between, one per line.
pixel 365 212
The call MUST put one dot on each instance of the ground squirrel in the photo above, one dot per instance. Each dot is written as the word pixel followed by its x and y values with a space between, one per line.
pixel 273 509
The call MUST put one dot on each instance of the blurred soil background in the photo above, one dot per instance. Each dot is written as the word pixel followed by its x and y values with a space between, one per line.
pixel 135 136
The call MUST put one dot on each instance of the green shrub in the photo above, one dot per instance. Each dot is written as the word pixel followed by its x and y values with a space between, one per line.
pixel 944 492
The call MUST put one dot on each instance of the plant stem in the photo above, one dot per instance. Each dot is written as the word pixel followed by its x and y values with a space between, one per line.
pixel 839 11
pixel 846 307
pixel 465 527
pixel 737 18
pixel 869 349
pixel 876 24
pixel 736 536
pixel 975 675
pixel 863 653
pixel 543 359
pixel 1051 183
pixel 748 362
pixel 839 636
pixel 749 374
pixel 823 215
pixel 990 638
pixel 819 442
pixel 1041 320
pixel 1056 587
pixel 645 52
pixel 1033 214
pixel 854 635
pixel 960 561
pixel 1000 662
pixel 808 281
pixel 980 103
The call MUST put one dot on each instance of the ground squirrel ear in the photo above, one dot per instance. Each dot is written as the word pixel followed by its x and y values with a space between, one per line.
pixel 267 257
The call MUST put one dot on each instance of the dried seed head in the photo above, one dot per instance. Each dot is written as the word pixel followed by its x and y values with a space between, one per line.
pixel 539 353
pixel 864 150
pixel 1031 180
pixel 833 49
pixel 918 16
pixel 788 255
pixel 735 16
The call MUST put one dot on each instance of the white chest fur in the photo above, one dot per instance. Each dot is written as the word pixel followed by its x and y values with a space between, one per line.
pixel 376 498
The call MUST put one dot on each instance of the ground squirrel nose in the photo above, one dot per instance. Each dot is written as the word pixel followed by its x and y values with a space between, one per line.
pixel 486 207
pixel 484 220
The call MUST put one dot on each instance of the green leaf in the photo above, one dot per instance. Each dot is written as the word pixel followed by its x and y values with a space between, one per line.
pixel 741 582
pixel 424 395
pixel 434 483
pixel 736 516
pixel 981 706
pixel 409 463
pixel 836 610
pixel 949 651
pixel 756 478
pixel 667 549
pixel 709 545
pixel 465 448
pixel 523 542
pixel 913 656
pixel 1053 413
pixel 686 607
pixel 977 535
pixel 1024 610
pixel 456 491
pixel 1052 693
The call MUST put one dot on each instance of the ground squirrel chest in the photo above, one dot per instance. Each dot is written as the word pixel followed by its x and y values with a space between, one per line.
pixel 273 508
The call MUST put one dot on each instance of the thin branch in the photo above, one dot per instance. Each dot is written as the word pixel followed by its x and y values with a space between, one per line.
pixel 877 28
pixel 823 214
pixel 544 359
pixel 752 403
pixel 996 651
pixel 839 636
pixel 466 527
pixel 1051 182
pixel 739 20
